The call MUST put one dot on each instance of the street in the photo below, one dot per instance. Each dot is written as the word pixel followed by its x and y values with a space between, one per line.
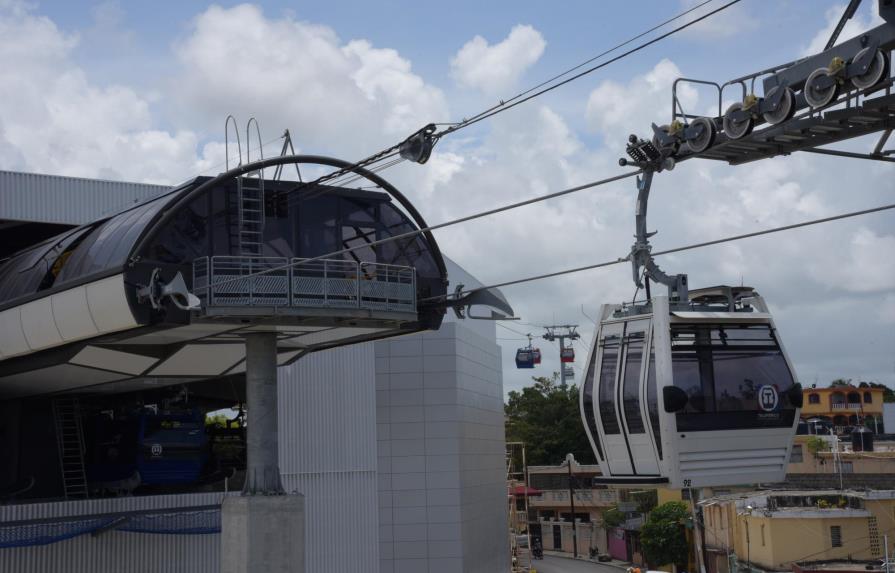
pixel 552 564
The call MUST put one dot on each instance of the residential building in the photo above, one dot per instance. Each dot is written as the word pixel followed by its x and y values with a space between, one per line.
pixel 551 512
pixel 844 406
pixel 826 461
pixel 779 530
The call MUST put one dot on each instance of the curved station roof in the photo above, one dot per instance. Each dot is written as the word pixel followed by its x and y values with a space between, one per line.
pixel 164 291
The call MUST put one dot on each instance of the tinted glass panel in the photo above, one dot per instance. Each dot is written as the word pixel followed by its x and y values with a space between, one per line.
pixel 588 402
pixel 652 401
pixel 631 384
pixel 607 385
pixel 185 237
pixel 723 370
pixel 109 245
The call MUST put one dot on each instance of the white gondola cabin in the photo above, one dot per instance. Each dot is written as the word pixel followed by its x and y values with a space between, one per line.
pixel 693 395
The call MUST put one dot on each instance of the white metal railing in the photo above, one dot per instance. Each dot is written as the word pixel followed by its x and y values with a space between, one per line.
pixel 846 406
pixel 550 497
pixel 225 281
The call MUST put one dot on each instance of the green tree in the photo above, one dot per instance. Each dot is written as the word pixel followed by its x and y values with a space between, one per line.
pixel 546 417
pixel 815 444
pixel 612 517
pixel 888 393
pixel 662 536
pixel 218 420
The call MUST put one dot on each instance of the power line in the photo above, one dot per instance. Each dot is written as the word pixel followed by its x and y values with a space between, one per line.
pixel 669 251
pixel 417 232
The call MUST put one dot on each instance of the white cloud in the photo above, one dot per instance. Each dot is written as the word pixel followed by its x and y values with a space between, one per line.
pixel 864 263
pixel 62 123
pixel 861 22
pixel 733 21
pixel 495 69
pixel 887 309
pixel 615 110
pixel 346 98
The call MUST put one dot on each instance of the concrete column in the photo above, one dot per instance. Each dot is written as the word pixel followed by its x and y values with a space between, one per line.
pixel 263 468
pixel 264 529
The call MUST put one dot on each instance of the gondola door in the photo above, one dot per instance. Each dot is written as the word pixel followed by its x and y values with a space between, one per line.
pixel 632 389
pixel 622 384
pixel 616 447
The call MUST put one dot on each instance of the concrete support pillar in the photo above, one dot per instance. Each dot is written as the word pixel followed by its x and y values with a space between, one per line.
pixel 264 529
pixel 263 468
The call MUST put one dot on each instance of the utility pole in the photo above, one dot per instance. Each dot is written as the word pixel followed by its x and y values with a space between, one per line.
pixel 886 545
pixel 561 332
pixel 570 459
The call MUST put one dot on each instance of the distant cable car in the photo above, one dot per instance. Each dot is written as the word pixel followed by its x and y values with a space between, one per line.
pixel 694 394
pixel 525 358
pixel 567 355
pixel 536 353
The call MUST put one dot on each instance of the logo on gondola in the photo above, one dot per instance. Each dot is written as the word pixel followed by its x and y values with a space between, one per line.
pixel 156 450
pixel 768 398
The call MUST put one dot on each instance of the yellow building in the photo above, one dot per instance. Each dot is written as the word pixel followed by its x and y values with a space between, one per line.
pixel 778 529
pixel 843 405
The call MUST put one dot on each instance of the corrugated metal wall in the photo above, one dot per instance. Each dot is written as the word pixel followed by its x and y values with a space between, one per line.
pixel 56 199
pixel 327 420
pixel 114 551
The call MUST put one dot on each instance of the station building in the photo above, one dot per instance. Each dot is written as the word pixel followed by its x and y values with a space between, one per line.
pixel 396 444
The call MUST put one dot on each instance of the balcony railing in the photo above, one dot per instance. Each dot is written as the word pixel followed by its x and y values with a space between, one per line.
pixel 846 406
pixel 584 497
pixel 225 281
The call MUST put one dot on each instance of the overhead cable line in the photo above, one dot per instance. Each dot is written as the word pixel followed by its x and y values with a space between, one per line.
pixel 418 232
pixel 503 108
pixel 502 102
pixel 667 251
pixel 513 330
pixel 512 102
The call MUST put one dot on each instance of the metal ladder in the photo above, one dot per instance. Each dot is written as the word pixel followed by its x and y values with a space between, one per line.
pixel 249 232
pixel 70 444
pixel 250 202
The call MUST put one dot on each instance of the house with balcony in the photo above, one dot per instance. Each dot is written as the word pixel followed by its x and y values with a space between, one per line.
pixel 844 406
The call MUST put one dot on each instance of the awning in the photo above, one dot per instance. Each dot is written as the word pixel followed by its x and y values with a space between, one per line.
pixel 523 490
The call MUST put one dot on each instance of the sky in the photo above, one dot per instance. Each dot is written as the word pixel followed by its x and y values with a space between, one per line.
pixel 139 91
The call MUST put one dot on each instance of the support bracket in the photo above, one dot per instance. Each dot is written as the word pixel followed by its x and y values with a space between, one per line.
pixel 641 251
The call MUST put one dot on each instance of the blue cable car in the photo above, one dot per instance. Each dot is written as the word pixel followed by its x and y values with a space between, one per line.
pixel 525 358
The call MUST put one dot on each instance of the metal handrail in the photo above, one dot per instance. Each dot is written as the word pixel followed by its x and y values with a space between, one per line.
pixel 319 283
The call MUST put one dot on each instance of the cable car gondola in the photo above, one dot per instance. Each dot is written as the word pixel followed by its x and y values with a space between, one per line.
pixel 525 358
pixel 691 389
pixel 694 394
pixel 528 356
pixel 567 355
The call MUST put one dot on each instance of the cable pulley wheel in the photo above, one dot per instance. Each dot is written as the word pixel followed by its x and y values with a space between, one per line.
pixel 819 97
pixel 706 137
pixel 733 128
pixel 672 147
pixel 874 73
pixel 785 110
